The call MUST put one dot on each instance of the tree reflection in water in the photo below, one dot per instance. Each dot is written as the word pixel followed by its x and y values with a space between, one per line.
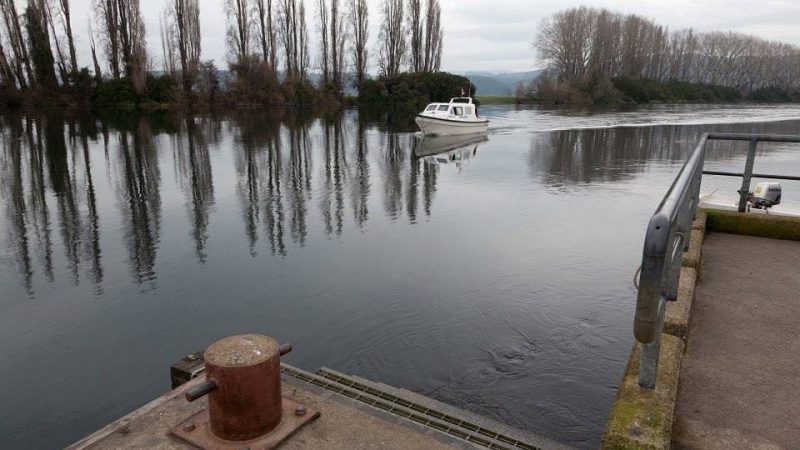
pixel 65 167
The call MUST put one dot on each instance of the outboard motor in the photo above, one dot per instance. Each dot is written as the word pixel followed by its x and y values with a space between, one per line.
pixel 766 195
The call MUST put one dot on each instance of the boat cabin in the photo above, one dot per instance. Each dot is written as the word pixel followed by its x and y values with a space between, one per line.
pixel 458 108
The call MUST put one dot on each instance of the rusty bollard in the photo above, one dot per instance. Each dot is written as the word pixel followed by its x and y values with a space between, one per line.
pixel 243 384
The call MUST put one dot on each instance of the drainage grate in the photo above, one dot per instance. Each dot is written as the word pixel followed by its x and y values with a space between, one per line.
pixel 445 423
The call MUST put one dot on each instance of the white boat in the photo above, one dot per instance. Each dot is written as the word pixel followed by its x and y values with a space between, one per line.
pixel 460 116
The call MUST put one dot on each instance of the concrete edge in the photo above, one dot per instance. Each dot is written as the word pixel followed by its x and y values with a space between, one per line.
pixel 761 225
pixel 691 257
pixel 700 221
pixel 679 312
pixel 529 439
pixel 642 418
pixel 104 432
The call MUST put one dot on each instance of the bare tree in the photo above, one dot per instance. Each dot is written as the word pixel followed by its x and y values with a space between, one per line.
pixel 124 35
pixel 108 13
pixel 183 38
pixel 63 68
pixel 391 41
pixel 67 23
pixel 132 42
pixel 434 37
pixel 289 33
pixel 98 75
pixel 266 31
pixel 7 77
pixel 22 65
pixel 359 23
pixel 566 39
pixel 324 47
pixel 415 29
pixel 586 45
pixel 337 42
pixel 167 48
pixel 237 13
pixel 38 42
pixel 303 50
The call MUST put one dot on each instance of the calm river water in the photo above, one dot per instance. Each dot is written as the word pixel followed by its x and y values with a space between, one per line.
pixel 496 277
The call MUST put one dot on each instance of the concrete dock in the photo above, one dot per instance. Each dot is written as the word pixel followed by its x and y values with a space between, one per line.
pixel 729 365
pixel 354 414
pixel 739 376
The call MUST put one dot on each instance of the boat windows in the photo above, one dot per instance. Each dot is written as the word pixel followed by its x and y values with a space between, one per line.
pixel 458 110
pixel 430 108
pixel 444 107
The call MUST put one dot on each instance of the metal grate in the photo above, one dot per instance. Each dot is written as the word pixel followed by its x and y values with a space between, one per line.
pixel 445 423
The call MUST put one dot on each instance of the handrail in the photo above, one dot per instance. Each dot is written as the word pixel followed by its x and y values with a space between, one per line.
pixel 667 238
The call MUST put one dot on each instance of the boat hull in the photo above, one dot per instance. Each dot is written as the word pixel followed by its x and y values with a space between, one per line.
pixel 432 126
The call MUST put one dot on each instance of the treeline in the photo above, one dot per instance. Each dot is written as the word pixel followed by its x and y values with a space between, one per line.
pixel 412 91
pixel 268 41
pixel 599 55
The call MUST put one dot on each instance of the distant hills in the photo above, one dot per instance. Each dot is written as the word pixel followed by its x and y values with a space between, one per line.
pixel 499 84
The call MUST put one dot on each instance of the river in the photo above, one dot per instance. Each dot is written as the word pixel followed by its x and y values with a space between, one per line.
pixel 496 277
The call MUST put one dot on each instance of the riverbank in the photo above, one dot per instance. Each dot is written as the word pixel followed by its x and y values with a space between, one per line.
pixel 632 91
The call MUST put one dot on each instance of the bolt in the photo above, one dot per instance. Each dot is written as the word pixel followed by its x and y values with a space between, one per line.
pixel 189 427
pixel 300 410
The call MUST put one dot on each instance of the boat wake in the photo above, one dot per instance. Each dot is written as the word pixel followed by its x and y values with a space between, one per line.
pixel 507 121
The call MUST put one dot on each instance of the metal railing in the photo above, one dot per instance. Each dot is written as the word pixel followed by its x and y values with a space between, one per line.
pixel 668 237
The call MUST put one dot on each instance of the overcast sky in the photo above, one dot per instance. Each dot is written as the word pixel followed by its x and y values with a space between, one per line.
pixel 495 35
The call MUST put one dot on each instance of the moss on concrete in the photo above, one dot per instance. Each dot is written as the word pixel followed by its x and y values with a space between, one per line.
pixel 676 320
pixel 642 418
pixel 762 225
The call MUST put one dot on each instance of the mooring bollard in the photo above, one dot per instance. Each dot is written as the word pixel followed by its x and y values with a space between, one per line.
pixel 243 384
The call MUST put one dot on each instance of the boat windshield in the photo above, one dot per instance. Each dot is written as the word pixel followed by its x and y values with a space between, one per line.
pixel 444 107
pixel 430 108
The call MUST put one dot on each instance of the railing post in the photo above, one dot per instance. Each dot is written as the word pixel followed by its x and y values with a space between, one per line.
pixel 648 362
pixel 748 174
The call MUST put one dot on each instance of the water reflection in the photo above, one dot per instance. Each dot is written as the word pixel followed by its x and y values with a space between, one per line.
pixel 449 150
pixel 139 198
pixel 292 173
pixel 432 145
pixel 37 154
pixel 261 176
pixel 604 155
pixel 190 145
pixel 287 222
